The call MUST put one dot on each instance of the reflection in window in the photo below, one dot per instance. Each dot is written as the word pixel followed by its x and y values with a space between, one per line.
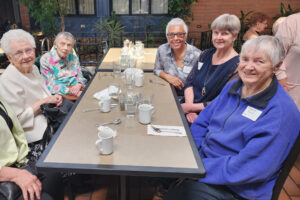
pixel 81 7
pixel 121 7
pixel 86 7
pixel 140 6
pixel 159 6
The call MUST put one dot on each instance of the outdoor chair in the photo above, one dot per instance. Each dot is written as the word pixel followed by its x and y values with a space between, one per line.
pixel 286 168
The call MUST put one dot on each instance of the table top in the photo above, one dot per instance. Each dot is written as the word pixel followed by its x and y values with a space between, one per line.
pixel 135 152
pixel 146 63
pixel 1 51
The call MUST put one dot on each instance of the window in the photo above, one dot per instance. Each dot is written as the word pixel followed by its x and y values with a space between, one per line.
pixel 80 7
pixel 139 7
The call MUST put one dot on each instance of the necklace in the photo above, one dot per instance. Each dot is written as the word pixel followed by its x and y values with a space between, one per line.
pixel 207 79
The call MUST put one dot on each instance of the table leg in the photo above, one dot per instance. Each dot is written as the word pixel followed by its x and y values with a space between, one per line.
pixel 123 189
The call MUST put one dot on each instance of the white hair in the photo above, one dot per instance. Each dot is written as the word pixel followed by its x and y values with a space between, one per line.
pixel 177 22
pixel 15 35
pixel 66 35
pixel 227 22
pixel 269 45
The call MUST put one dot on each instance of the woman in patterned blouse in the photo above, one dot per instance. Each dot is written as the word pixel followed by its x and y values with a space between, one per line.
pixel 61 68
pixel 175 59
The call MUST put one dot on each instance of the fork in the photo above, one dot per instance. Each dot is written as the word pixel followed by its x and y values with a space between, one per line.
pixel 151 81
pixel 159 130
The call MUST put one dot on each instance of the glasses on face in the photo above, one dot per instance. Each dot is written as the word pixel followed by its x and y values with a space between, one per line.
pixel 179 35
pixel 19 54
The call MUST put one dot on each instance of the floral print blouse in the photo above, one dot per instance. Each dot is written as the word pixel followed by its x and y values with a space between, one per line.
pixel 59 73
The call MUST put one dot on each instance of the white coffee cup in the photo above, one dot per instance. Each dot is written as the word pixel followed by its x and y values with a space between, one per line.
pixel 139 80
pixel 145 113
pixel 105 142
pixel 104 104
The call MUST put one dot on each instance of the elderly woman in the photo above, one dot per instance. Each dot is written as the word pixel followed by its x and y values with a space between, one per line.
pixel 215 68
pixel 258 23
pixel 23 88
pixel 175 59
pixel 61 67
pixel 13 161
pixel 246 133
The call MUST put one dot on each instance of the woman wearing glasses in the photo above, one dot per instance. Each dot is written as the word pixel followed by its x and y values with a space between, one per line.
pixel 23 88
pixel 215 68
pixel 175 59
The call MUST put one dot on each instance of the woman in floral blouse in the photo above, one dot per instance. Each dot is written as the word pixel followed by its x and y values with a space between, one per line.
pixel 61 68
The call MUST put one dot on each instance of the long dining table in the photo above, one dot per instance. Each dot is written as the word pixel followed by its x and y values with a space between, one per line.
pixel 136 153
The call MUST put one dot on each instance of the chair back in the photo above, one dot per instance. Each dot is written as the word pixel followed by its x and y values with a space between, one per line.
pixel 286 168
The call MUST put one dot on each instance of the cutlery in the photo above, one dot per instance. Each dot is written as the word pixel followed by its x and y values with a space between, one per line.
pixel 117 121
pixel 151 81
pixel 90 109
pixel 159 130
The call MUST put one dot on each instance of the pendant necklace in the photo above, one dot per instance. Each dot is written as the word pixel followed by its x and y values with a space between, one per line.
pixel 207 79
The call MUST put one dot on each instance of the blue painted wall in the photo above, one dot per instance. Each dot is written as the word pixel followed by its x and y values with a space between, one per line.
pixel 84 25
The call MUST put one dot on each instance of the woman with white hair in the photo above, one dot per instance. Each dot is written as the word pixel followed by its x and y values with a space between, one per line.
pixel 246 133
pixel 61 67
pixel 175 59
pixel 215 68
pixel 23 88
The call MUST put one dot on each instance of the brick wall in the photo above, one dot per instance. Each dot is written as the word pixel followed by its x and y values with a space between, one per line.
pixel 205 11
pixel 24 17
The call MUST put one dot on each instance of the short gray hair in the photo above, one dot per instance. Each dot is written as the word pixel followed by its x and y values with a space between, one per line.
pixel 177 22
pixel 66 35
pixel 227 22
pixel 267 44
pixel 15 35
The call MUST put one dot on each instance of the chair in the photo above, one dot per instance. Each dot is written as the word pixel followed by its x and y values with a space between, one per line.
pixel 286 168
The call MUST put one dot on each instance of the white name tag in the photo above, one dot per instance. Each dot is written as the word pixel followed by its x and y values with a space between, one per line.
pixel 251 113
pixel 200 65
pixel 187 69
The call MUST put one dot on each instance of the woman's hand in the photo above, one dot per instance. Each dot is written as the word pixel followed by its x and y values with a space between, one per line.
pixel 55 99
pixel 191 117
pixel 29 184
pixel 75 90
pixel 175 81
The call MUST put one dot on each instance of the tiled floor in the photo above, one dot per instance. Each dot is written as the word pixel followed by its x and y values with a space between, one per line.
pixel 291 188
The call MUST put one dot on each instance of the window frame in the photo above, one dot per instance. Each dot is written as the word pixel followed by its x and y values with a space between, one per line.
pixel 85 15
pixel 130 10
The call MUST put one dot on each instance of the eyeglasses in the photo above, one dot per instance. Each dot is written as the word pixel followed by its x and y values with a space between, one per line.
pixel 19 54
pixel 179 35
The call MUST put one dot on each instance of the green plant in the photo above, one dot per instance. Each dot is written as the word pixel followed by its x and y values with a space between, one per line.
pixel 44 12
pixel 181 8
pixel 110 28
pixel 285 12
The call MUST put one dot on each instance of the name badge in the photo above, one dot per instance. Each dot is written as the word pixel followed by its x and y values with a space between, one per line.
pixel 251 113
pixel 187 69
pixel 200 65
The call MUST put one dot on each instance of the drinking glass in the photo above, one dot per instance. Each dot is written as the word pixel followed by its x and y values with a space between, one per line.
pixel 124 63
pixel 129 80
pixel 116 69
pixel 130 107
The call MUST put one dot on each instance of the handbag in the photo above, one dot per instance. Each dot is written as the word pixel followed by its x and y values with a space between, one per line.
pixel 55 116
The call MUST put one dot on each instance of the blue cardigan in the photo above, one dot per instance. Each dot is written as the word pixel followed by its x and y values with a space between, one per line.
pixel 240 151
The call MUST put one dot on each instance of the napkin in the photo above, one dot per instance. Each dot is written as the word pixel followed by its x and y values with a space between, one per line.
pixel 167 130
pixel 100 94
pixel 133 71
